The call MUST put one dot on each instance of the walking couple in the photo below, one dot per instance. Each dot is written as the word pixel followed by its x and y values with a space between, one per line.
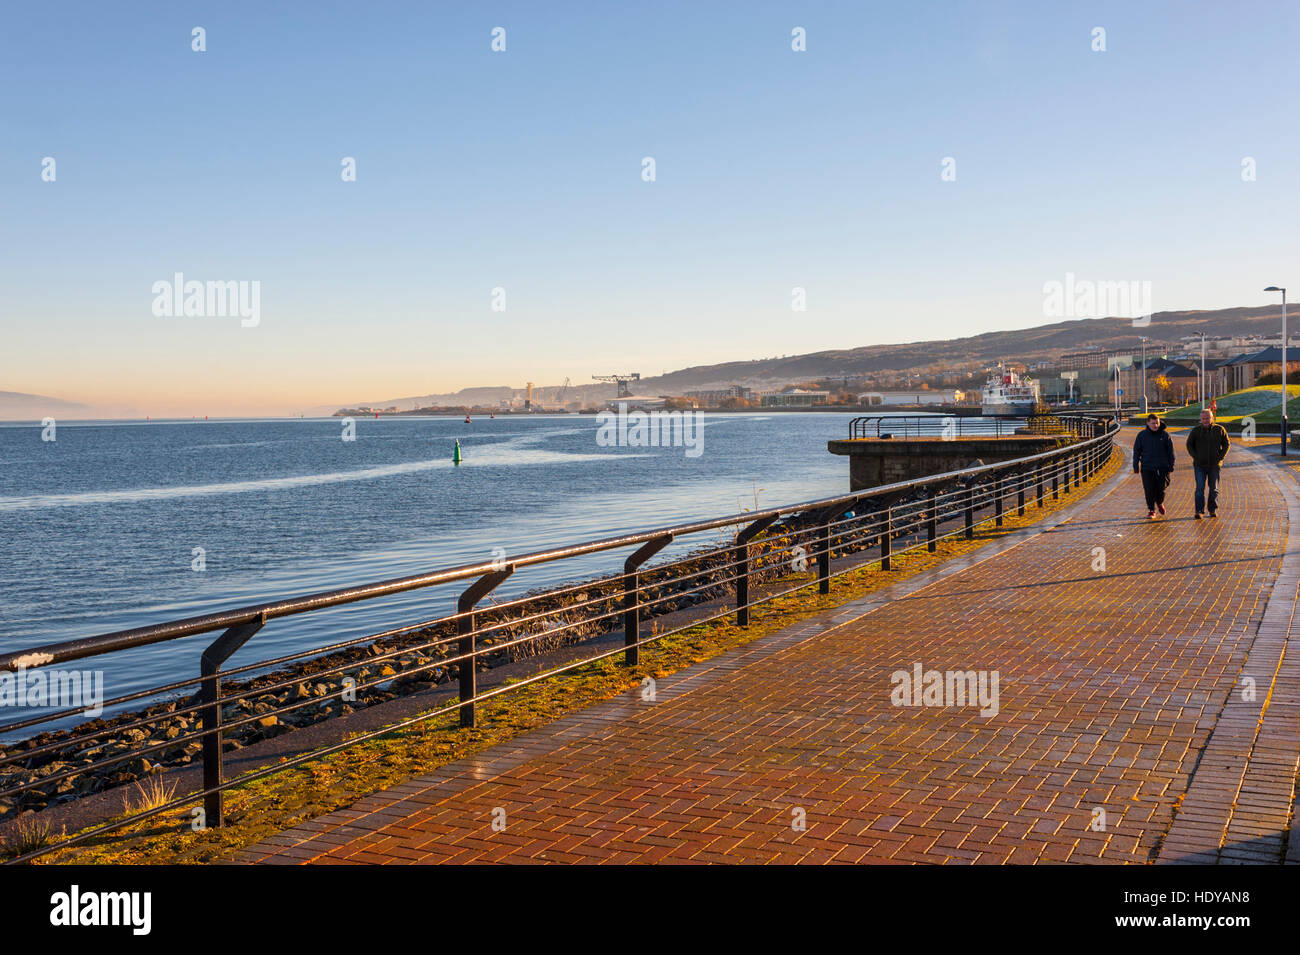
pixel 1153 458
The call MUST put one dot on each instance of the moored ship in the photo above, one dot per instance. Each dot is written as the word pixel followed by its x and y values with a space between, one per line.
pixel 1007 393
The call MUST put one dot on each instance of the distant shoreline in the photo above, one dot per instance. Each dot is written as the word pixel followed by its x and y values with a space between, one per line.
pixel 959 410
pixel 589 412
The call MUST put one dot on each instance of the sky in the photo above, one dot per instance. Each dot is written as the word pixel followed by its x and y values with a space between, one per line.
pixel 523 170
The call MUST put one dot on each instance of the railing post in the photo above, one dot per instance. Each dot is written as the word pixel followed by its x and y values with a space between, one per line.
pixel 970 512
pixel 465 647
pixel 1020 494
pixel 824 559
pixel 741 552
pixel 887 540
pixel 824 546
pixel 932 522
pixel 1038 475
pixel 1056 481
pixel 997 501
pixel 632 596
pixel 210 713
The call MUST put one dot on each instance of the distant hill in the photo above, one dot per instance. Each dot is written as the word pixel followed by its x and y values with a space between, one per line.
pixel 15 406
pixel 1040 343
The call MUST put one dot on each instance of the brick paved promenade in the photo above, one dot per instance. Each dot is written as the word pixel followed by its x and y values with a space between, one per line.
pixel 1116 694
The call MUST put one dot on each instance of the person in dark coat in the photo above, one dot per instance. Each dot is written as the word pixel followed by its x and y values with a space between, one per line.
pixel 1207 443
pixel 1153 458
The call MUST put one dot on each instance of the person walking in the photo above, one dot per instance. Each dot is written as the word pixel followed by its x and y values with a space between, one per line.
pixel 1153 458
pixel 1208 444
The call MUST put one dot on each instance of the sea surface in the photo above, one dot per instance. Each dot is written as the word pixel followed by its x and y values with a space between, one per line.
pixel 100 529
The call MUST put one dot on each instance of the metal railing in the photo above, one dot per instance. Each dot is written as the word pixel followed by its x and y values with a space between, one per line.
pixel 717 579
pixel 918 426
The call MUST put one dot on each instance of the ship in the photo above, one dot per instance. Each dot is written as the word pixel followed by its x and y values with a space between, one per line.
pixel 1009 394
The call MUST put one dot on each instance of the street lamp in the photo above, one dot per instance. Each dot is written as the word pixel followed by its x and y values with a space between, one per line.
pixel 1201 386
pixel 1119 392
pixel 1144 374
pixel 1274 288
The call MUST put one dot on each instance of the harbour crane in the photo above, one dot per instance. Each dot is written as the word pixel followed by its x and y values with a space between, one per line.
pixel 621 381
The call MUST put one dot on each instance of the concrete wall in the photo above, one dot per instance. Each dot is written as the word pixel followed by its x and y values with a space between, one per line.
pixel 877 461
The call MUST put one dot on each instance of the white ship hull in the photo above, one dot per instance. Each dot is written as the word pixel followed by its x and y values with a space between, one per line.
pixel 1013 407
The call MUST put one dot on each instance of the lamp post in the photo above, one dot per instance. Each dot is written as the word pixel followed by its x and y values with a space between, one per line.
pixel 1144 375
pixel 1275 288
pixel 1118 392
pixel 1203 379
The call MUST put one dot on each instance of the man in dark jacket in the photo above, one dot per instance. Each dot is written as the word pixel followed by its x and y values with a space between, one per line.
pixel 1207 443
pixel 1153 458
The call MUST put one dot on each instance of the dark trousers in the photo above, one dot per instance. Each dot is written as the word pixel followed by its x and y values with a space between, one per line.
pixel 1153 485
pixel 1207 476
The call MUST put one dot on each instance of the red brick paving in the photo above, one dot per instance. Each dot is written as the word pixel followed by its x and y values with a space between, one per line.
pixel 1115 695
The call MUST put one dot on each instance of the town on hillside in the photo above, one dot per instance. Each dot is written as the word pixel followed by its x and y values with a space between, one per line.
pixel 1156 374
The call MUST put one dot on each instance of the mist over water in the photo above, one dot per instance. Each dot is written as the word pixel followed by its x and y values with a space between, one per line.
pixel 98 528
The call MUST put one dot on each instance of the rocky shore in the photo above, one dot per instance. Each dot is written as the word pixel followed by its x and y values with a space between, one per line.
pixel 110 752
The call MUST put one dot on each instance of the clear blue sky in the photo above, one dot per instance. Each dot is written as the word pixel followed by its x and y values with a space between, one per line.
pixel 522 170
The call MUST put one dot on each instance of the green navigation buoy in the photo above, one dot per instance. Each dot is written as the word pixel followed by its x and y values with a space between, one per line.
pixel 455 455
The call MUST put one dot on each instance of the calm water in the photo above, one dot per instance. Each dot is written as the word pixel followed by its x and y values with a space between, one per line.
pixel 98 528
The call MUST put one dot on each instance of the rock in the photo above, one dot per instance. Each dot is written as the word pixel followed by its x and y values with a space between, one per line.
pixel 267 722
pixel 143 767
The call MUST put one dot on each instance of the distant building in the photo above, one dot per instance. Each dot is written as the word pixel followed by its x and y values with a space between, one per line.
pixel 636 403
pixel 928 397
pixel 715 397
pixel 1244 370
pixel 796 398
pixel 1085 359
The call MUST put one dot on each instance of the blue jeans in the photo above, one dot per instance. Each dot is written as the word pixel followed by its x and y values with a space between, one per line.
pixel 1206 476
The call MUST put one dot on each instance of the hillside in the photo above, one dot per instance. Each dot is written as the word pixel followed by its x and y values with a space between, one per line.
pixel 1029 344
pixel 15 406
pixel 1042 342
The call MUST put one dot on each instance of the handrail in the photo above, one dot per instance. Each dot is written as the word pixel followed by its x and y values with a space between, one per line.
pixel 913 425
pixel 768 544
